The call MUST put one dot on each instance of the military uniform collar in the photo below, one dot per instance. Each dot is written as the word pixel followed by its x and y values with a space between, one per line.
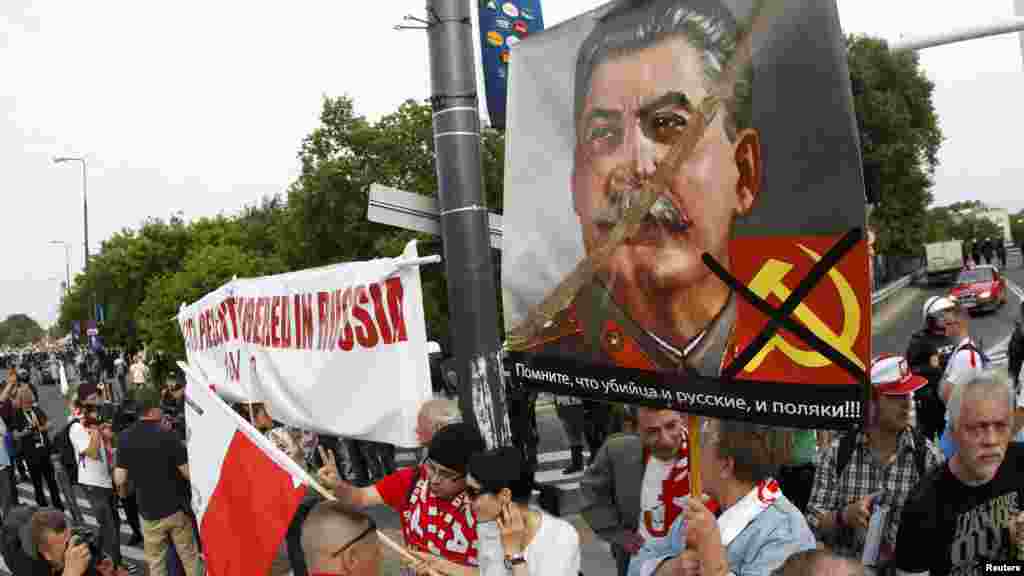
pixel 606 326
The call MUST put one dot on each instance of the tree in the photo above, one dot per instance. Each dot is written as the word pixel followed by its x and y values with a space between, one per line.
pixel 142 276
pixel 18 330
pixel 971 228
pixel 340 160
pixel 960 221
pixel 900 139
pixel 1017 227
pixel 119 274
pixel 204 270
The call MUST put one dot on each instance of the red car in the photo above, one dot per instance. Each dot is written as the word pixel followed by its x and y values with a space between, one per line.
pixel 980 288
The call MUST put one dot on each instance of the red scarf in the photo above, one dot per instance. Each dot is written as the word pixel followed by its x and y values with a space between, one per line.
pixel 675 486
pixel 441 527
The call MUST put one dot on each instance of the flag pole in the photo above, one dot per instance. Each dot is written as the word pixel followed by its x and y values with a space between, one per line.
pixel 694 433
pixel 407 556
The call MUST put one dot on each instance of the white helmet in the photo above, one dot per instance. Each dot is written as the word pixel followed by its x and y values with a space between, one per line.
pixel 935 306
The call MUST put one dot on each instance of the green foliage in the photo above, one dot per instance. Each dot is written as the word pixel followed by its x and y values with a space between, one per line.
pixel 204 270
pixel 142 276
pixel 340 159
pixel 18 330
pixel 958 221
pixel 900 139
pixel 1017 227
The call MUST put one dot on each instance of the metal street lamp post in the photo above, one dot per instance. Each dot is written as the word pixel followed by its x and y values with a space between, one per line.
pixel 67 264
pixel 1003 26
pixel 85 201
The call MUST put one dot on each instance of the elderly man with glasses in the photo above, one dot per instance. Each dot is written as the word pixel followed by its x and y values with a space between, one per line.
pixel 435 512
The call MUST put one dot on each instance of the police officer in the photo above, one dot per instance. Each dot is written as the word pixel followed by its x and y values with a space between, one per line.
pixel 1015 350
pixel 927 355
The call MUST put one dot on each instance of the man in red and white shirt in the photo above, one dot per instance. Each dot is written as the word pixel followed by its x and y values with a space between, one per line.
pixel 435 512
pixel 635 488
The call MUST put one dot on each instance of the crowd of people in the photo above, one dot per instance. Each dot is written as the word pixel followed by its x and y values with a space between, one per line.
pixel 931 484
pixel 905 494
pixel 897 496
pixel 987 250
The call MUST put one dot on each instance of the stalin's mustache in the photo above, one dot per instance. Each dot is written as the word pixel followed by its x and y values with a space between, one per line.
pixel 621 196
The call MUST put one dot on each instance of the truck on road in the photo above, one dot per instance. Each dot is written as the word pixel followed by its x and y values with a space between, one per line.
pixel 944 260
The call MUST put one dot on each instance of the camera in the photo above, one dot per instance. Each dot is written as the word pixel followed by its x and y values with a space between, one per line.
pixel 118 415
pixel 82 535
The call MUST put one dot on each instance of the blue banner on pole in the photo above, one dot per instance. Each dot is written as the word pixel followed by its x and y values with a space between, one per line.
pixel 503 23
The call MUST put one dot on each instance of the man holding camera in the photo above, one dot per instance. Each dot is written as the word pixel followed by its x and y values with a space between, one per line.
pixel 66 552
pixel 91 440
pixel 152 457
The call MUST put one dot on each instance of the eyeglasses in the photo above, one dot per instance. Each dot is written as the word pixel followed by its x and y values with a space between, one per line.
pixel 371 528
pixel 436 470
pixel 472 493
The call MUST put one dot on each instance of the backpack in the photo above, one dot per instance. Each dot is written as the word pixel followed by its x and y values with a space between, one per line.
pixel 846 447
pixel 985 360
pixel 65 450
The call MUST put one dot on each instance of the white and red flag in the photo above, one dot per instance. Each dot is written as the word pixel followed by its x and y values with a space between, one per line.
pixel 245 491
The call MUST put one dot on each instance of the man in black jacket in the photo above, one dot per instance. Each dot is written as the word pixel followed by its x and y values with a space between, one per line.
pixel 927 354
pixel 1015 350
pixel 987 250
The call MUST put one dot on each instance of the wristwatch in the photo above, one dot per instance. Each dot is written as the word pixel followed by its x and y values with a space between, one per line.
pixel 514 560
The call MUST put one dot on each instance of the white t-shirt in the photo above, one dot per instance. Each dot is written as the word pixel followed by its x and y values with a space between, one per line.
pixel 554 550
pixel 964 365
pixel 90 472
pixel 138 371
pixel 650 495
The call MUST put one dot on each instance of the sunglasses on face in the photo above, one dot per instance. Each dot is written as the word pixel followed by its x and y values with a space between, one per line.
pixel 369 529
pixel 436 471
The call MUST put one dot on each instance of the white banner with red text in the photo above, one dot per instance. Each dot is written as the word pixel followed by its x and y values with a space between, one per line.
pixel 338 350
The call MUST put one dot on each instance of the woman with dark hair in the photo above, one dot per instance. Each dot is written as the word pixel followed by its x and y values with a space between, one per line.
pixel 515 538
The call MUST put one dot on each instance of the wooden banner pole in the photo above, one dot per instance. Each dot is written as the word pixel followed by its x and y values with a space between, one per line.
pixel 694 434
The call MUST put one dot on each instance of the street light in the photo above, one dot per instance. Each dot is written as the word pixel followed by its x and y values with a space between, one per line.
pixel 67 263
pixel 85 200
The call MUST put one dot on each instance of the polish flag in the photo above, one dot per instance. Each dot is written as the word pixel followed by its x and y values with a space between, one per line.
pixel 245 491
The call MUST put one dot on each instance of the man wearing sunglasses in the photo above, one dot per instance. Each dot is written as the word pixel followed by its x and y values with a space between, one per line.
pixel 338 541
pixel 435 512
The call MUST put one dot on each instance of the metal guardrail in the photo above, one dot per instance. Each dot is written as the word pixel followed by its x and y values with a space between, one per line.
pixel 894 287
pixel 1014 258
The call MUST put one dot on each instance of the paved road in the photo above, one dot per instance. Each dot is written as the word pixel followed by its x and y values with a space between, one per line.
pixel 893 327
pixel 990 329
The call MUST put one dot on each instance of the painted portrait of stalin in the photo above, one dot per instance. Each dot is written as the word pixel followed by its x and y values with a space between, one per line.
pixel 640 75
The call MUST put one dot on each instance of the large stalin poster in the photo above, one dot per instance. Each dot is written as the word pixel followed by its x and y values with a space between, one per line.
pixel 684 220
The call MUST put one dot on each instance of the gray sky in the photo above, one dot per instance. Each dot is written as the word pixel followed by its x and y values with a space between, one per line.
pixel 200 107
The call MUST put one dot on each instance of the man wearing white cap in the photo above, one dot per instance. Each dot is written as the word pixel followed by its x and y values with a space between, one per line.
pixel 872 471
